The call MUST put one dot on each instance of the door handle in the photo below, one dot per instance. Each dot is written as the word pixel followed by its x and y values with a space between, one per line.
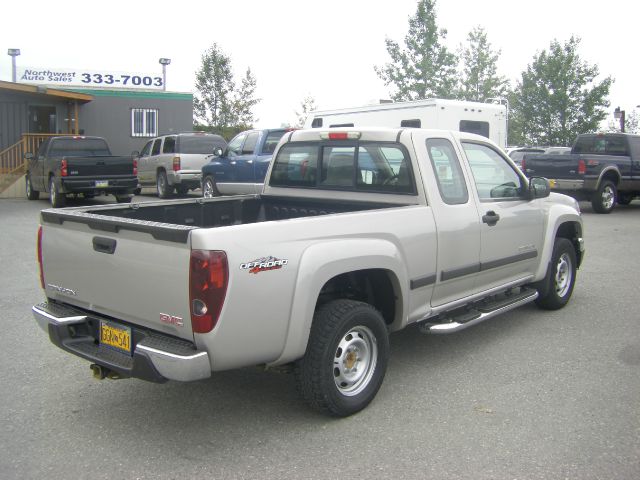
pixel 490 218
pixel 104 245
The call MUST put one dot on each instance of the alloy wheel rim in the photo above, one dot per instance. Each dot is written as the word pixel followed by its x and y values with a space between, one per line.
pixel 355 361
pixel 607 197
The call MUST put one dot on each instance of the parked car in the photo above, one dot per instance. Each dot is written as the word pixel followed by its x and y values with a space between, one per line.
pixel 241 168
pixel 603 168
pixel 174 162
pixel 357 233
pixel 79 165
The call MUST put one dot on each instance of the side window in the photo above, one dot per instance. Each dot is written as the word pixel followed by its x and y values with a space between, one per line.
pixel 169 145
pixel 156 147
pixel 471 126
pixel 617 145
pixel 494 177
pixel 235 146
pixel 146 149
pixel 271 141
pixel 250 143
pixel 446 166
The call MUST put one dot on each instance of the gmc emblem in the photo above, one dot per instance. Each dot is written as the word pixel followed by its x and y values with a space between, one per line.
pixel 171 320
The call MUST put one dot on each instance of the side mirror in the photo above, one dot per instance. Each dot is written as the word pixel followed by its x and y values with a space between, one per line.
pixel 218 151
pixel 28 156
pixel 539 187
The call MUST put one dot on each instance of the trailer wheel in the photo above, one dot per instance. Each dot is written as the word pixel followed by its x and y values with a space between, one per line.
pixel 346 358
pixel 604 199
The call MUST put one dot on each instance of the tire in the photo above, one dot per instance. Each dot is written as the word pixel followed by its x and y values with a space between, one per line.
pixel 31 193
pixel 346 358
pixel 162 185
pixel 604 199
pixel 209 188
pixel 56 198
pixel 125 198
pixel 558 284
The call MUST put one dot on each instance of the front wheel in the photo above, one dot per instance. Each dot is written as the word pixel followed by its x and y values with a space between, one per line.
pixel 346 358
pixel 209 188
pixel 604 199
pixel 558 284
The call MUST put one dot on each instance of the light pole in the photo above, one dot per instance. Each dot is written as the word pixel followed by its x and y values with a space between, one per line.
pixel 619 115
pixel 13 53
pixel 164 62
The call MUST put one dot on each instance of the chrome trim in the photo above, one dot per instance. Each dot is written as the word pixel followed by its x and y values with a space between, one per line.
pixel 441 328
pixel 183 368
pixel 562 184
pixel 45 318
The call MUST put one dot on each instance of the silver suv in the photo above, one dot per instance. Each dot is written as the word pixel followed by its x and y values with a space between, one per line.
pixel 174 162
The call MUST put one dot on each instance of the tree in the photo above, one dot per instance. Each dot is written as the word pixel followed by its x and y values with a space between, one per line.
pixel 480 80
pixel 218 107
pixel 244 100
pixel 424 68
pixel 558 97
pixel 214 85
pixel 307 106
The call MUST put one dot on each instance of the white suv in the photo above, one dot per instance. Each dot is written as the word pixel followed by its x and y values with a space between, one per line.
pixel 175 161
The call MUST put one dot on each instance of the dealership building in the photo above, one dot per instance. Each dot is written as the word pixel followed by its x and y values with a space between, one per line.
pixel 125 109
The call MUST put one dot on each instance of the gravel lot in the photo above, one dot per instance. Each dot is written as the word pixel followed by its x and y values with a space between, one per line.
pixel 528 395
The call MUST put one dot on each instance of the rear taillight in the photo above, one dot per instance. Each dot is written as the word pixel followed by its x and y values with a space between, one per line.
pixel 176 164
pixel 582 167
pixel 208 279
pixel 63 168
pixel 135 166
pixel 40 257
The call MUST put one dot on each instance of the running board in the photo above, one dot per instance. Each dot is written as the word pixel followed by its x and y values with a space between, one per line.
pixel 479 313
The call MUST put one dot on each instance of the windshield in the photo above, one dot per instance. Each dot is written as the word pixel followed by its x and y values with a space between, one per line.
pixel 203 144
pixel 79 147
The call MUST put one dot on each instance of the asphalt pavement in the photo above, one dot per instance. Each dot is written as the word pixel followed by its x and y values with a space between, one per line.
pixel 528 395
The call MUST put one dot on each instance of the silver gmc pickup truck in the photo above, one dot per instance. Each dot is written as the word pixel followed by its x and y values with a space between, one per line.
pixel 358 233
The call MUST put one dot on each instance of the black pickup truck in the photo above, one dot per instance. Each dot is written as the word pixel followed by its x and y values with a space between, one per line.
pixel 603 168
pixel 79 165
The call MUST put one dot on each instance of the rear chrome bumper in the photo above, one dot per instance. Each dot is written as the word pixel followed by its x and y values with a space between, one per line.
pixel 156 357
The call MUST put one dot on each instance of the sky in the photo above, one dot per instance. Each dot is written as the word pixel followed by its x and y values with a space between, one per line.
pixel 326 50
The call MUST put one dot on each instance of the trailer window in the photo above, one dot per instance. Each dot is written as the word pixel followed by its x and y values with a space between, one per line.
pixel 316 123
pixel 413 123
pixel 471 126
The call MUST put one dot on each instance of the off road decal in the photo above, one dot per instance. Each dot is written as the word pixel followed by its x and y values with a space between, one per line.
pixel 264 265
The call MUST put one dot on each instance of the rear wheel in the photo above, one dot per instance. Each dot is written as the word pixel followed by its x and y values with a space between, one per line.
pixel 162 185
pixel 31 193
pixel 56 198
pixel 604 199
pixel 346 358
pixel 209 188
pixel 558 285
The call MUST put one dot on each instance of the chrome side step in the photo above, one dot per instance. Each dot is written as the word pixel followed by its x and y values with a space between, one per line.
pixel 478 313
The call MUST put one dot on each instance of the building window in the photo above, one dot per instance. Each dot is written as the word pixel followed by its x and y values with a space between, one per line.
pixel 144 122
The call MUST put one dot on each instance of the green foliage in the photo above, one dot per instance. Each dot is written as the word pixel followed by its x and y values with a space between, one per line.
pixel 307 106
pixel 557 98
pixel 424 68
pixel 217 106
pixel 480 80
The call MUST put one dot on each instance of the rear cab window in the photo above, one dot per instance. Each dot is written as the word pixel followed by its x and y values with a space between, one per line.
pixel 352 166
pixel 79 147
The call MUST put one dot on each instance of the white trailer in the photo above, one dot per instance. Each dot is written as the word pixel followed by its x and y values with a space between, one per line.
pixel 487 119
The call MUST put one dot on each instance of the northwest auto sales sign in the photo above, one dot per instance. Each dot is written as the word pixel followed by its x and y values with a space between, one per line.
pixel 72 77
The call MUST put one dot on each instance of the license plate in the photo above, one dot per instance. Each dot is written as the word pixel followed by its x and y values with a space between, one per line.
pixel 115 336
pixel 102 183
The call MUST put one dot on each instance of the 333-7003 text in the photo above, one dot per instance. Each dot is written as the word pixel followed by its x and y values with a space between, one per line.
pixel 109 79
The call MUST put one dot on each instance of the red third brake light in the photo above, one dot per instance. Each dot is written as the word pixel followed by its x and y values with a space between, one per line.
pixel 582 167
pixel 208 279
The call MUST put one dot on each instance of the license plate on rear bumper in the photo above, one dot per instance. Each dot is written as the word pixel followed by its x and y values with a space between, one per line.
pixel 102 183
pixel 115 336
